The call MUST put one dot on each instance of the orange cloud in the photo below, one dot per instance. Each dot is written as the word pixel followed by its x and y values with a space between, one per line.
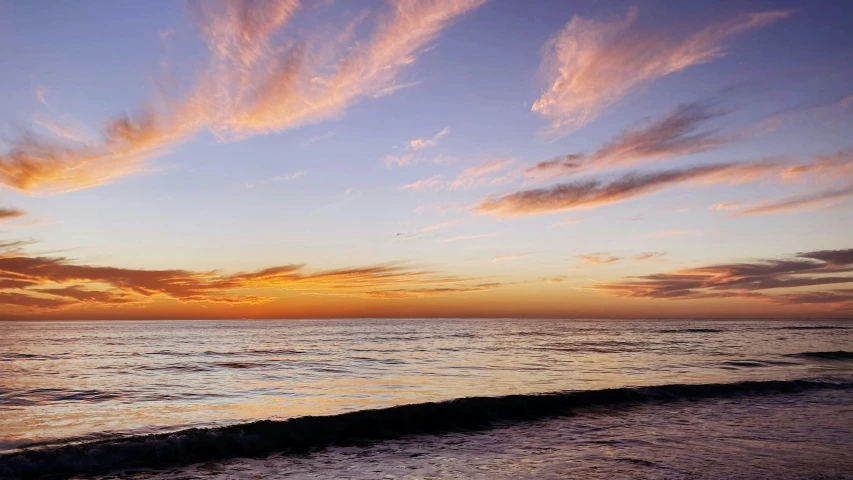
pixel 725 206
pixel 748 280
pixel 591 65
pixel 595 193
pixel 827 167
pixel 25 281
pixel 802 203
pixel 598 259
pixel 503 258
pixel 420 143
pixel 649 256
pixel 255 82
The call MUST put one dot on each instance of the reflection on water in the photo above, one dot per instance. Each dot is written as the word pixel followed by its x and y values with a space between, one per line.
pixel 81 379
pixel 801 436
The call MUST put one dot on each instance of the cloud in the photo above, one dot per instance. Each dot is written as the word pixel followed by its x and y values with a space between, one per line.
pixel 425 185
pixel 725 206
pixel 288 177
pixel 256 81
pixel 552 279
pixel 598 259
pixel 480 175
pixel 466 237
pixel 304 86
pixel 566 222
pixel 649 256
pixel 827 167
pixel 801 203
pixel 41 94
pixel 591 65
pixel 420 143
pixel 82 295
pixel 670 233
pixel 680 132
pixel 503 258
pixel 60 131
pixel 557 166
pixel 427 292
pixel 488 172
pixel 7 213
pixel 595 193
pixel 747 280
pixel 55 282
pixel 442 225
pixel 399 160
pixel 277 179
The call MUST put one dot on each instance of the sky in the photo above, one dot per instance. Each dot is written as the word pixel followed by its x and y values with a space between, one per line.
pixel 426 158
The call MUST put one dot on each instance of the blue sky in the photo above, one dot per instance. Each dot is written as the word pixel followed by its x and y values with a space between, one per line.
pixel 244 173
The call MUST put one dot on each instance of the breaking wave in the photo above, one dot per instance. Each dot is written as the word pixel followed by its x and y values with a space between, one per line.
pixel 836 355
pixel 304 434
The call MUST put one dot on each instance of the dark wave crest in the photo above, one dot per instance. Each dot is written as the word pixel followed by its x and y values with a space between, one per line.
pixel 305 434
pixel 836 355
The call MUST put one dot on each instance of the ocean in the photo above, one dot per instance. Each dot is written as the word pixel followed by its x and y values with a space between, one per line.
pixel 427 398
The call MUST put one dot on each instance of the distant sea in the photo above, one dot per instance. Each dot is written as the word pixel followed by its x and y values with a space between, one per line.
pixel 427 398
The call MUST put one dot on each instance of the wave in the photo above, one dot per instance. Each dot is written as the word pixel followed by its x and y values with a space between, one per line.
pixel 813 327
pixel 305 434
pixel 836 355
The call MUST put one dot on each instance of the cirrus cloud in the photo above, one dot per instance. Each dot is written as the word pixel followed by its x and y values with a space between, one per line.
pixel 591 65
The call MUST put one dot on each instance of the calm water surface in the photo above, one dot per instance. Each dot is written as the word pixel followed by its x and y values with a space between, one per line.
pixel 70 379
pixel 77 381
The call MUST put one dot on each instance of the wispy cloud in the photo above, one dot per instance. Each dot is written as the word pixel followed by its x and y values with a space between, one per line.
pixel 61 131
pixel 425 185
pixel 442 225
pixel 748 280
pixel 256 81
pixel 41 94
pixel 724 206
pixel 598 258
pixel 466 237
pixel 399 160
pixel 595 193
pixel 318 138
pixel 801 203
pixel 503 258
pixel 825 167
pixel 566 222
pixel 276 179
pixel 591 65
pixel 649 256
pixel 7 213
pixel 488 172
pixel 288 177
pixel 420 143
pixel 680 132
pixel 31 281
pixel 428 292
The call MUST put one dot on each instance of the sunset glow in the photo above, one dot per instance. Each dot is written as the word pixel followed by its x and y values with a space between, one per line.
pixel 426 158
